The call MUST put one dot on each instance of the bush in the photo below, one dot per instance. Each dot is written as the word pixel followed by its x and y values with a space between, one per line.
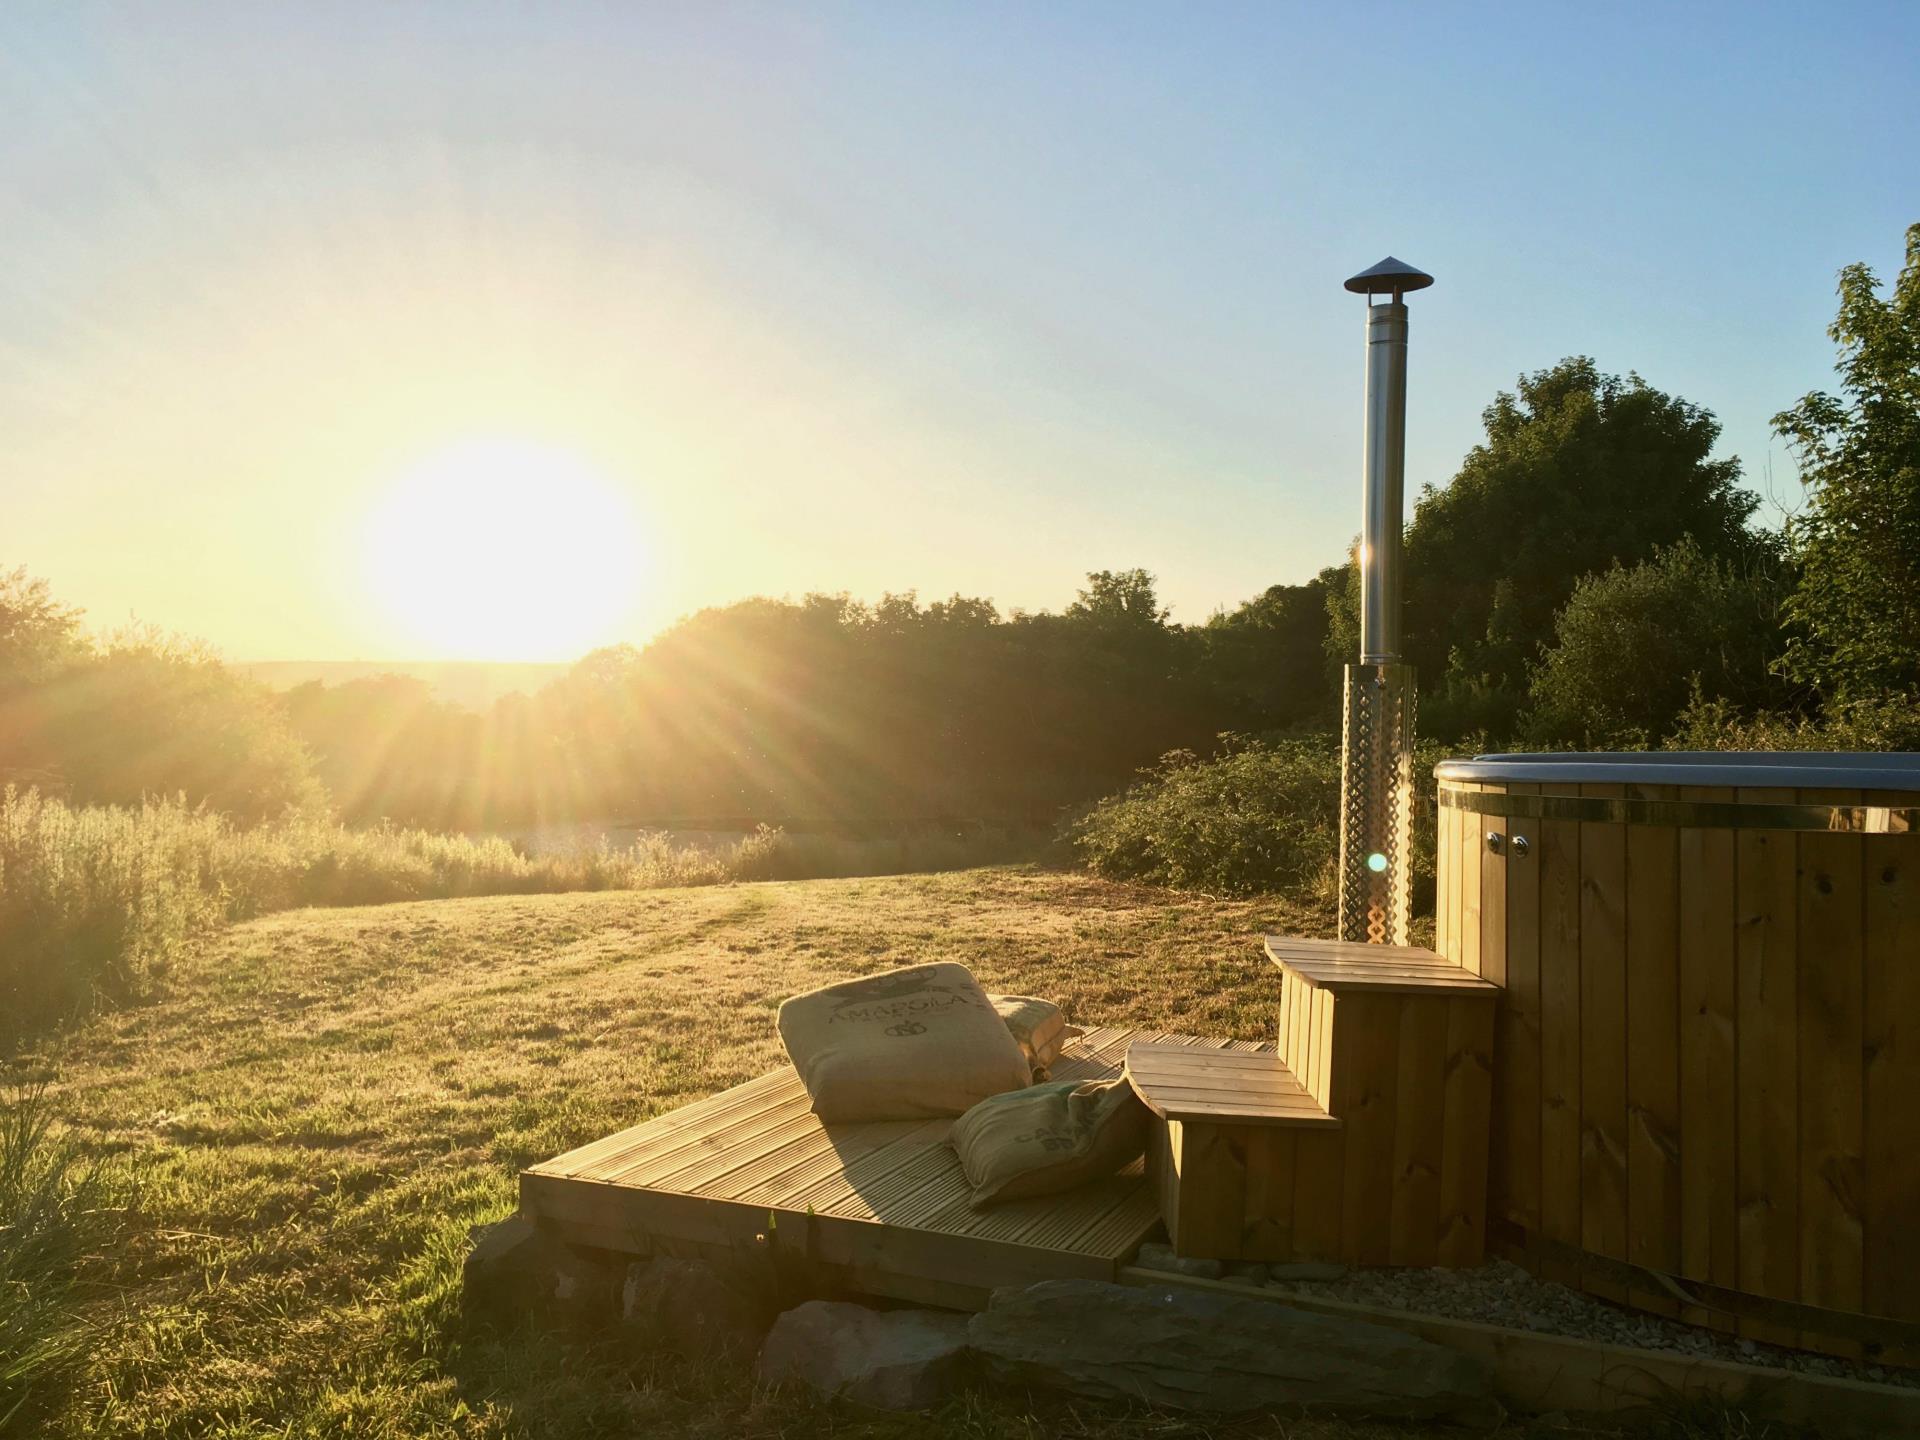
pixel 1877 723
pixel 55 1208
pixel 1260 817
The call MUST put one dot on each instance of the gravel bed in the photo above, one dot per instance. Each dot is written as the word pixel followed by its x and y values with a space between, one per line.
pixel 1501 1293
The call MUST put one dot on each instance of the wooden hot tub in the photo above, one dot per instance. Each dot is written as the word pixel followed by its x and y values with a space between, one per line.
pixel 1706 1080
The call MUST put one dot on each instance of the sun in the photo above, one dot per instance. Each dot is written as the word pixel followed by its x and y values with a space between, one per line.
pixel 501 549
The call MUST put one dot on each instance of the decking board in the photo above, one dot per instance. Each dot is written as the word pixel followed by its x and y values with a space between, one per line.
pixel 884 1200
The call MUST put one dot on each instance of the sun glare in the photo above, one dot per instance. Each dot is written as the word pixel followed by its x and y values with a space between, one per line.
pixel 504 549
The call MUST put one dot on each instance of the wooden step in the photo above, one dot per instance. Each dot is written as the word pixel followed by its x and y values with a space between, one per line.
pixel 1200 1086
pixel 1344 965
pixel 1231 1145
pixel 1362 1139
pixel 1396 1043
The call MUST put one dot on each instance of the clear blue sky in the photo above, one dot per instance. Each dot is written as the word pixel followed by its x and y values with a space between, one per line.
pixel 968 297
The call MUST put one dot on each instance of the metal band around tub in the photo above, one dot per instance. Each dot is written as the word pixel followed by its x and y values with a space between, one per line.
pixel 1693 814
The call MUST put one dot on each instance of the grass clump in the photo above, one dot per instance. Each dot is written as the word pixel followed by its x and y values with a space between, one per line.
pixel 56 1207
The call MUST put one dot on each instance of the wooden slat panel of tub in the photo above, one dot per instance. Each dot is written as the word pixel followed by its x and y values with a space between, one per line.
pixel 1767 1093
pixel 1892 1080
pixel 1653 1051
pixel 1603 1037
pixel 1831 945
pixel 1492 943
pixel 1559 853
pixel 1515 1185
pixel 1446 896
pixel 1709 1205
pixel 1472 849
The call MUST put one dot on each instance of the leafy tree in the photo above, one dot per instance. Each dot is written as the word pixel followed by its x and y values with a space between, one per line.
pixel 1579 471
pixel 38 637
pixel 150 715
pixel 1857 607
pixel 387 750
pixel 37 633
pixel 1636 644
pixel 1119 601
pixel 1268 660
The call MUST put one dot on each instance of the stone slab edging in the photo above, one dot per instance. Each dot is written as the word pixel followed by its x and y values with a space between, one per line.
pixel 1535 1372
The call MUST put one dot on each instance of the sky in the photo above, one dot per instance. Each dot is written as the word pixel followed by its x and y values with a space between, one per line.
pixel 410 331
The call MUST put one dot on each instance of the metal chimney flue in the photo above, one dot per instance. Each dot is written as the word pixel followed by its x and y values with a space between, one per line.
pixel 1376 741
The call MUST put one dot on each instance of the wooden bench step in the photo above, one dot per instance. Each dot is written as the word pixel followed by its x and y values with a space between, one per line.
pixel 1240 1086
pixel 1343 965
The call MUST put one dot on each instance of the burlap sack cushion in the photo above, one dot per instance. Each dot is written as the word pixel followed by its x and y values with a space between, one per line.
pixel 1049 1138
pixel 923 1041
pixel 1039 1027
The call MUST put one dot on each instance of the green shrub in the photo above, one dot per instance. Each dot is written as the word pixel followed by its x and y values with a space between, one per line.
pixel 1876 723
pixel 1260 817
pixel 55 1208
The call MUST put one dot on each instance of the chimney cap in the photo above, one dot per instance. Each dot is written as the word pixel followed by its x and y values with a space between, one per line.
pixel 1390 277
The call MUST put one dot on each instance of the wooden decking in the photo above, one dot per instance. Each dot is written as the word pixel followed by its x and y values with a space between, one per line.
pixel 881 1205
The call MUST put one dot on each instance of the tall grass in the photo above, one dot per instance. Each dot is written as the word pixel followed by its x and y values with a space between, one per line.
pixel 97 902
pixel 55 1208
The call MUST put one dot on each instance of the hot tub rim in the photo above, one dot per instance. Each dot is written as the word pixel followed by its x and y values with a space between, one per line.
pixel 1784 769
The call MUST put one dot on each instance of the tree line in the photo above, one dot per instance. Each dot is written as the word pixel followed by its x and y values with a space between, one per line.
pixel 1592 575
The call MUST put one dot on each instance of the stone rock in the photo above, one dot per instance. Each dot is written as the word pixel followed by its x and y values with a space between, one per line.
pixel 1304 1270
pixel 1246 1272
pixel 1156 1256
pixel 887 1359
pixel 516 1270
pixel 1216 1353
pixel 690 1308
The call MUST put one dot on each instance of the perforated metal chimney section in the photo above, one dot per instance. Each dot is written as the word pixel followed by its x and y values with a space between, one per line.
pixel 1376 741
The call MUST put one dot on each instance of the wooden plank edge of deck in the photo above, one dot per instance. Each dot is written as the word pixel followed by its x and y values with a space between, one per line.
pixel 1540 1372
pixel 634 1221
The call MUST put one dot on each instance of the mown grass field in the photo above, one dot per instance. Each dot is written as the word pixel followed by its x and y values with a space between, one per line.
pixel 324 1101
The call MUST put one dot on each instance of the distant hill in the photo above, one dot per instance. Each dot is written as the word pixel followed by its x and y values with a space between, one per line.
pixel 474 684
